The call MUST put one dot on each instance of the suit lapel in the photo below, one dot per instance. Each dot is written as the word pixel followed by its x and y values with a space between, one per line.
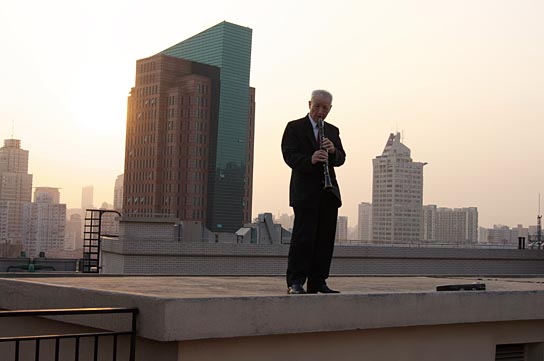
pixel 310 132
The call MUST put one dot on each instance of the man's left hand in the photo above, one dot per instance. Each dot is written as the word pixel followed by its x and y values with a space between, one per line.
pixel 328 146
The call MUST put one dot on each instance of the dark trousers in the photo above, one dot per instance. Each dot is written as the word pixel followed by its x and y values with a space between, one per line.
pixel 312 242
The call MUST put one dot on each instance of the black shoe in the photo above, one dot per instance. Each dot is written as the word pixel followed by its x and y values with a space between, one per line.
pixel 321 289
pixel 295 289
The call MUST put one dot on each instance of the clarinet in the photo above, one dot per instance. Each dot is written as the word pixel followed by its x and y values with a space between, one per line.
pixel 321 131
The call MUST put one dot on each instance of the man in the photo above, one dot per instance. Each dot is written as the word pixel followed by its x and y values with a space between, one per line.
pixel 316 209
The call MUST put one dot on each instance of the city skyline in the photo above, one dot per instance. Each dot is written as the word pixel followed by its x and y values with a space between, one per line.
pixel 461 80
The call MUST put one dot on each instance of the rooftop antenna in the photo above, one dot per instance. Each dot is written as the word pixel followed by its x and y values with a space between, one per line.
pixel 539 223
pixel 536 239
pixel 12 128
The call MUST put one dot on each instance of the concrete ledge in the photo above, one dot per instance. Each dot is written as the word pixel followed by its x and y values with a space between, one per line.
pixel 200 258
pixel 191 308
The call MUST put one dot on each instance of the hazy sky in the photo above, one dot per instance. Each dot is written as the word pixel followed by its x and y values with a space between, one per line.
pixel 463 80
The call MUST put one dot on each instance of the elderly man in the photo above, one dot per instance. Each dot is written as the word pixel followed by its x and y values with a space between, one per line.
pixel 315 206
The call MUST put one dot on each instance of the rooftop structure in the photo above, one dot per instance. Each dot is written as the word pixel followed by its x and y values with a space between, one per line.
pixel 251 318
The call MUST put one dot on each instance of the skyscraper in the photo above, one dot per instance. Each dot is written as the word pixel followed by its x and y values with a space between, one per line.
pixel 397 194
pixel 118 193
pixel 87 201
pixel 16 183
pixel 364 227
pixel 341 229
pixel 15 189
pixel 190 126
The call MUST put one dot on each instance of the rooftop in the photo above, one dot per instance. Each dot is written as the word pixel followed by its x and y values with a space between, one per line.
pixel 200 307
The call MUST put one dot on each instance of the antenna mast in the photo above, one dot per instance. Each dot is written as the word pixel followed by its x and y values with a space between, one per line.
pixel 536 240
pixel 539 223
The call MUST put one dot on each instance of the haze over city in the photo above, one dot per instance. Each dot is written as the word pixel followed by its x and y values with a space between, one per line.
pixel 462 80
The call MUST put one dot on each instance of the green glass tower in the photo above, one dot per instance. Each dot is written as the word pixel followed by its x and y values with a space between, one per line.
pixel 228 47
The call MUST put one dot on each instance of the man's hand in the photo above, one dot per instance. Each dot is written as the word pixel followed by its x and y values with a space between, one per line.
pixel 328 146
pixel 320 156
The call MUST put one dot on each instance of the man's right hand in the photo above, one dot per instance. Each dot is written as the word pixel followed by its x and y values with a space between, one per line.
pixel 320 156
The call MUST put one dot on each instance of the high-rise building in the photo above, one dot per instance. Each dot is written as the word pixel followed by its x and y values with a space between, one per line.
pixel 43 223
pixel 397 194
pixel 342 228
pixel 46 195
pixel 190 129
pixel 364 227
pixel 483 235
pixel 73 235
pixel 501 234
pixel 15 189
pixel 118 193
pixel 16 183
pixel 87 201
pixel 450 225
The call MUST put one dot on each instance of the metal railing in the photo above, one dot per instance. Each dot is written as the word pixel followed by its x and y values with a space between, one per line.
pixel 17 340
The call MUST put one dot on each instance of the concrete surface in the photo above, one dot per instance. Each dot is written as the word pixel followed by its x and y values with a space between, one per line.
pixel 191 308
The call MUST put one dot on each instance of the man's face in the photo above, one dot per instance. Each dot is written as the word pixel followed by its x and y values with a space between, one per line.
pixel 320 106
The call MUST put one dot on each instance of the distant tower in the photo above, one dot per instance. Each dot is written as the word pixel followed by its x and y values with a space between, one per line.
pixel 364 227
pixel 73 235
pixel 118 193
pixel 87 201
pixel 15 182
pixel 342 229
pixel 47 195
pixel 15 189
pixel 397 194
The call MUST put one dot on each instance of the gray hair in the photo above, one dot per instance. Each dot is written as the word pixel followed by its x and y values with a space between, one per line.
pixel 321 93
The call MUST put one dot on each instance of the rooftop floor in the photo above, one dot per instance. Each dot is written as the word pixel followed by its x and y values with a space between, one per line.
pixel 184 308
pixel 219 287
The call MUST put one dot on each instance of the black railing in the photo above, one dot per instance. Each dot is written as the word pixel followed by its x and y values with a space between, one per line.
pixel 17 340
pixel 92 239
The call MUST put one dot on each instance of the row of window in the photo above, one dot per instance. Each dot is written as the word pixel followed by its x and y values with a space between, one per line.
pixel 146 78
pixel 198 202
pixel 187 100
pixel 146 67
pixel 186 113
pixel 147 90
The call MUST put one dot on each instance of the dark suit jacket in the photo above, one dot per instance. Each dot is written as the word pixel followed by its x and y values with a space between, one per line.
pixel 297 145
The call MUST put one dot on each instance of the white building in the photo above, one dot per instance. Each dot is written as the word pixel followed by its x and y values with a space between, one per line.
pixel 397 194
pixel 87 201
pixel 501 234
pixel 43 227
pixel 73 234
pixel 364 227
pixel 15 189
pixel 118 193
pixel 450 225
pixel 341 229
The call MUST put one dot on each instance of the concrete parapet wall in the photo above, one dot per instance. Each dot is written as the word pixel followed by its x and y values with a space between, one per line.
pixel 201 258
